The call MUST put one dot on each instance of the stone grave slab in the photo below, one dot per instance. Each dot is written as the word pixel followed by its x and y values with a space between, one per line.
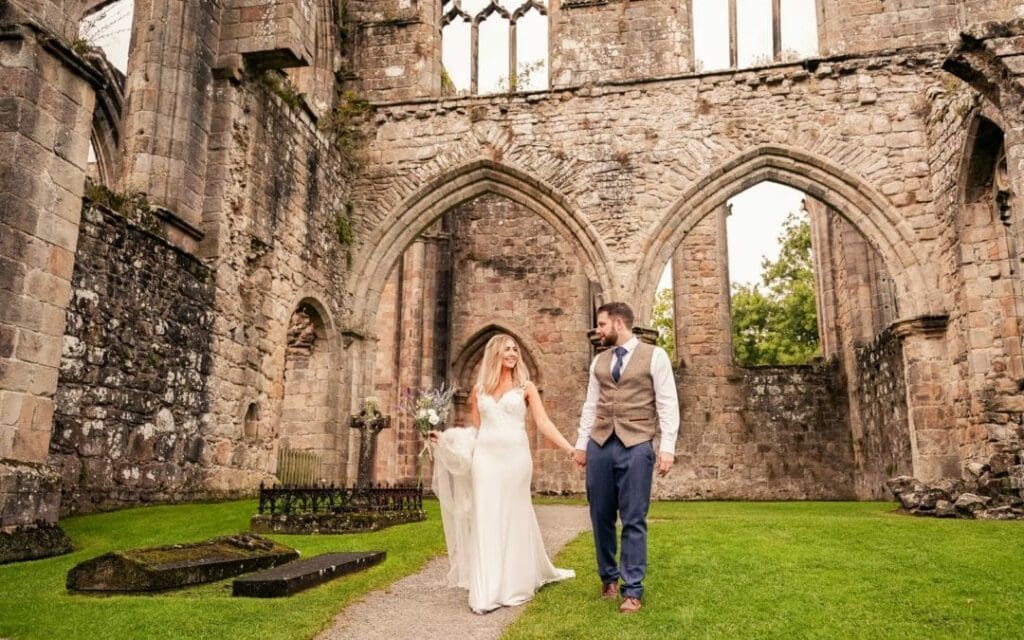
pixel 303 574
pixel 178 565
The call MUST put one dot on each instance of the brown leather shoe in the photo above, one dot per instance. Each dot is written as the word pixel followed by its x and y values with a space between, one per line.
pixel 630 605
pixel 610 591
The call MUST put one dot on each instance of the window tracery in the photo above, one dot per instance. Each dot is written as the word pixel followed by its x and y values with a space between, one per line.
pixel 494 46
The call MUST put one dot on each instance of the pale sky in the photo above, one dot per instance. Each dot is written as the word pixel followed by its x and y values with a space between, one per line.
pixel 757 213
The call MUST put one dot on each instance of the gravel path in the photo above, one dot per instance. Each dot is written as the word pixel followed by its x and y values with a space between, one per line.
pixel 421 607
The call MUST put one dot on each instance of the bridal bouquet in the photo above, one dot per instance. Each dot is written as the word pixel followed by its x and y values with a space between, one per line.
pixel 429 410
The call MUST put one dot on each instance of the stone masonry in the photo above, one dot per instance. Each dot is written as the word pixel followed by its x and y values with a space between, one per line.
pixel 362 230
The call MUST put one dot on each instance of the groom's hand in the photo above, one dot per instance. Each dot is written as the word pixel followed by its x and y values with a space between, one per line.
pixel 665 461
pixel 580 458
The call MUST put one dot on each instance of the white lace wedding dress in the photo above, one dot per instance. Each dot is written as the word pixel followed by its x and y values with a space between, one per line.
pixel 494 543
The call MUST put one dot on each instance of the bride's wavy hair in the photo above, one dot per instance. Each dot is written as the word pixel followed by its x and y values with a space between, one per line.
pixel 490 366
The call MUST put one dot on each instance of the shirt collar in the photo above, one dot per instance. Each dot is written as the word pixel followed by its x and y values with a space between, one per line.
pixel 631 344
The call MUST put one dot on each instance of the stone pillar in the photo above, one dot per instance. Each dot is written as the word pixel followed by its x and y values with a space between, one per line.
pixel 47 95
pixel 933 438
pixel 168 109
pixel 709 429
pixel 824 276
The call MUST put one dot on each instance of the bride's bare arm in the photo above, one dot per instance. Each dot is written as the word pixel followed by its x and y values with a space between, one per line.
pixel 474 410
pixel 543 422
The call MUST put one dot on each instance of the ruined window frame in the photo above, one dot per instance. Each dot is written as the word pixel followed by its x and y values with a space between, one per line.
pixel 452 10
pixel 779 54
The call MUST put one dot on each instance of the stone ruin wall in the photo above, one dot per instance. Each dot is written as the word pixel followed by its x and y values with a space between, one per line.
pixel 858 26
pixel 132 393
pixel 598 42
pixel 282 240
pixel 882 446
pixel 514 271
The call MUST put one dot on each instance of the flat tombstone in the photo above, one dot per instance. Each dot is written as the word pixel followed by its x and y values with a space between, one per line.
pixel 179 565
pixel 296 576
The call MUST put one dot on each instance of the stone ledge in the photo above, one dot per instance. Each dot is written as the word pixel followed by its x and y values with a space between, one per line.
pixel 303 574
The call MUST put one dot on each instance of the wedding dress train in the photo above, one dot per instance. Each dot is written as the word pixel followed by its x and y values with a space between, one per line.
pixel 495 548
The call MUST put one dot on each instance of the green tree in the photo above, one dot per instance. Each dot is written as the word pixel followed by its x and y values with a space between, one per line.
pixel 662 320
pixel 778 324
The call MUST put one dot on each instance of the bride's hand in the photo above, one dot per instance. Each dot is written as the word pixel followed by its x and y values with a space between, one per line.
pixel 434 436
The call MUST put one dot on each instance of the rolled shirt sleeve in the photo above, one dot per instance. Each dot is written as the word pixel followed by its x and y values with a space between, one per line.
pixel 666 399
pixel 589 413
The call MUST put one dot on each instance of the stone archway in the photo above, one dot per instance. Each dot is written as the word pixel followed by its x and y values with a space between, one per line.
pixel 860 204
pixel 921 333
pixel 391 236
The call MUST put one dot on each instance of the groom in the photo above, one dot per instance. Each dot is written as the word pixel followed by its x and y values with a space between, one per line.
pixel 630 397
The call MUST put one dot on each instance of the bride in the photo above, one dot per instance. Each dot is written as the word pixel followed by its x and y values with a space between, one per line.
pixel 482 478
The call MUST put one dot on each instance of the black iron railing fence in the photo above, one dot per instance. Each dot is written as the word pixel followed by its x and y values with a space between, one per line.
pixel 293 500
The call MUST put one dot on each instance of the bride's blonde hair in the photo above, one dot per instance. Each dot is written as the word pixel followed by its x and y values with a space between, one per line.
pixel 490 366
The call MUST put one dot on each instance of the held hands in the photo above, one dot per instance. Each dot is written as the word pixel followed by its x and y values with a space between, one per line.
pixel 579 457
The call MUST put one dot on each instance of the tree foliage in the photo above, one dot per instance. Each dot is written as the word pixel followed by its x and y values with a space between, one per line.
pixel 776 323
pixel 662 320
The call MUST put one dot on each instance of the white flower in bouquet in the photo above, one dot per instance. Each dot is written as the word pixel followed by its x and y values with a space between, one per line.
pixel 429 410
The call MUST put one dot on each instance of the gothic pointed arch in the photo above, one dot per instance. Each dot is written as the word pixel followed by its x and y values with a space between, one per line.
pixel 471 352
pixel 107 119
pixel 866 209
pixel 391 236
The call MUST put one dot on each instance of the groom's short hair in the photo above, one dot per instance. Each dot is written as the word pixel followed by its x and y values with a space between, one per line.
pixel 618 310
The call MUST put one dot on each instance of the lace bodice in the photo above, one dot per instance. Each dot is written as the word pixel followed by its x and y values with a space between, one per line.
pixel 507 412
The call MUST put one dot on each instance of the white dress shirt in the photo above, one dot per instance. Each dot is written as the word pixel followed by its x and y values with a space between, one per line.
pixel 665 398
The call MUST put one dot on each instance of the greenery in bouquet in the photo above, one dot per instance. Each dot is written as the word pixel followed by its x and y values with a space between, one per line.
pixel 428 409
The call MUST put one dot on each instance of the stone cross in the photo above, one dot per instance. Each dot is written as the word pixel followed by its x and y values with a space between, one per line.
pixel 370 422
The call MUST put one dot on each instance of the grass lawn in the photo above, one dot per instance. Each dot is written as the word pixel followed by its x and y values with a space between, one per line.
pixel 799 570
pixel 34 603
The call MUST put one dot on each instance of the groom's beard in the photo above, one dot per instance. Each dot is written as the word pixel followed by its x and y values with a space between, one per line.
pixel 609 339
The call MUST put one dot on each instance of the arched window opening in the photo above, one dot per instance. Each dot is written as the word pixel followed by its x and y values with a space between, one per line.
pixel 663 313
pixel 109 29
pixel 251 424
pixel 494 46
pixel 746 33
pixel 772 277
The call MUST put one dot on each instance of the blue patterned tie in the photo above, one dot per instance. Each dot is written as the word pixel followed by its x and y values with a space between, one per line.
pixel 617 369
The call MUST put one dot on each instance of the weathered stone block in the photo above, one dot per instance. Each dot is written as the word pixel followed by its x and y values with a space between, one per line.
pixel 303 574
pixel 173 566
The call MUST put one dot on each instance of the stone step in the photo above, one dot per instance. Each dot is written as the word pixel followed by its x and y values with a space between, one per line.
pixel 303 574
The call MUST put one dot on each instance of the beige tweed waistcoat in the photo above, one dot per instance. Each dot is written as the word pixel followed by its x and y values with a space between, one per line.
pixel 626 408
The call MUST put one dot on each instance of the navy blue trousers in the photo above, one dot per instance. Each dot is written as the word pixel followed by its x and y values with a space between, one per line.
pixel 619 486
